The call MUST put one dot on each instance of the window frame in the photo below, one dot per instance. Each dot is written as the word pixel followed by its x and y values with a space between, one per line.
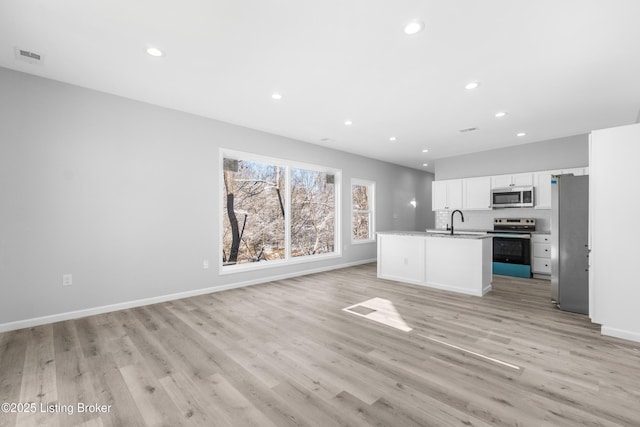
pixel 371 211
pixel 287 165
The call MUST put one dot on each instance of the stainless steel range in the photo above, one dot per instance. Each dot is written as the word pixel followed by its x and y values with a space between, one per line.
pixel 512 246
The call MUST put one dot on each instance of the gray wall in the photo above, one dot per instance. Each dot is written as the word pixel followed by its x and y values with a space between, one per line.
pixel 572 151
pixel 426 217
pixel 125 196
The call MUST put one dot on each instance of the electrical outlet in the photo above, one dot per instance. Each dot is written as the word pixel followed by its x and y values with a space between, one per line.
pixel 205 264
pixel 67 280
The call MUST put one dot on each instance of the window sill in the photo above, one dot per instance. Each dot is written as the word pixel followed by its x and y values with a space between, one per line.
pixel 363 241
pixel 261 265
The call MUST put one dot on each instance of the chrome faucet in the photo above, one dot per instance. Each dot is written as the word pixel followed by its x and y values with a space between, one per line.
pixel 461 217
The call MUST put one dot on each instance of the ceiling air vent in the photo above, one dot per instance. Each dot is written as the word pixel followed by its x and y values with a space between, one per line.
pixel 28 56
pixel 468 129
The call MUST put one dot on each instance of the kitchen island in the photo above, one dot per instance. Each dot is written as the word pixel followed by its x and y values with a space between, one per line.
pixel 458 263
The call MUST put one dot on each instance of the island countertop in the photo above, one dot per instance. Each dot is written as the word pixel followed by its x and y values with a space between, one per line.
pixel 439 234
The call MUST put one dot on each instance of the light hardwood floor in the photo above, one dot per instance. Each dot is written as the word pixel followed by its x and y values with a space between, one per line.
pixel 285 354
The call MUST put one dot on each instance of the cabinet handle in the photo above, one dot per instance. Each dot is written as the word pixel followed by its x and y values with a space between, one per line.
pixel 546 250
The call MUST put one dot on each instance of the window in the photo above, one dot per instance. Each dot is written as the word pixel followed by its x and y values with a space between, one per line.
pixel 362 211
pixel 253 212
pixel 275 211
pixel 312 212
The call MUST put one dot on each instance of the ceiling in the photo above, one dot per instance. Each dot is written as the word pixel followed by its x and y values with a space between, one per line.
pixel 558 68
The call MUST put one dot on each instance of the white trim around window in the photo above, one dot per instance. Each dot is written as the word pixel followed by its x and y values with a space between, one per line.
pixel 286 168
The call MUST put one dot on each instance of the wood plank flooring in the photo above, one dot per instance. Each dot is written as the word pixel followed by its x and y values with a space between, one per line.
pixel 286 354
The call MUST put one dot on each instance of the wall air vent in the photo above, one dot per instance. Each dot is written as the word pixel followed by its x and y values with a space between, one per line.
pixel 468 129
pixel 29 56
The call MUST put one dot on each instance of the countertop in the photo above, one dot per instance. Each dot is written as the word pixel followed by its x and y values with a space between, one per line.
pixel 461 230
pixel 438 234
pixel 472 230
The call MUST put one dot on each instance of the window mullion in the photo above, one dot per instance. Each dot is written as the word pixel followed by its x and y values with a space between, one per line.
pixel 287 217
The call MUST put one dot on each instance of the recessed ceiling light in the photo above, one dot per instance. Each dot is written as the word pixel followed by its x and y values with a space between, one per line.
pixel 348 122
pixel 393 138
pixel 425 164
pixel 154 51
pixel 521 134
pixel 425 150
pixel 472 85
pixel 501 114
pixel 276 96
pixel 413 27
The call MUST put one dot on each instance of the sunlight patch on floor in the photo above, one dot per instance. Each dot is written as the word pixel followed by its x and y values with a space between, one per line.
pixel 379 310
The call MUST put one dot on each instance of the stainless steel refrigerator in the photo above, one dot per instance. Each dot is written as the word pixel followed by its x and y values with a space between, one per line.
pixel 570 242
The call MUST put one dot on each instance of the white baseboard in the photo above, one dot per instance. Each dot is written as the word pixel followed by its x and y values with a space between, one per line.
pixel 455 289
pixel 36 321
pixel 620 333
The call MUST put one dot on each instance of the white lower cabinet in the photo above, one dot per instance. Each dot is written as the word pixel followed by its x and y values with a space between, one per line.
pixel 541 254
pixel 456 264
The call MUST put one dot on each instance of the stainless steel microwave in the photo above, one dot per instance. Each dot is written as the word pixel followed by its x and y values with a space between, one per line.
pixel 512 197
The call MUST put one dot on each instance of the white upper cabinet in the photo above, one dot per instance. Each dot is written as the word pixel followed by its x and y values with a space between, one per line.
pixel 438 195
pixel 501 181
pixel 543 184
pixel 512 180
pixel 477 193
pixel 543 189
pixel 446 195
pixel 575 171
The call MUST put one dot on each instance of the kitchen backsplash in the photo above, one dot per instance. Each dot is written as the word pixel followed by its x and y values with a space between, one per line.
pixel 483 220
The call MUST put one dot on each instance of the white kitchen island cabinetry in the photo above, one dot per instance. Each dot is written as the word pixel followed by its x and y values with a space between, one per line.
pixel 458 263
